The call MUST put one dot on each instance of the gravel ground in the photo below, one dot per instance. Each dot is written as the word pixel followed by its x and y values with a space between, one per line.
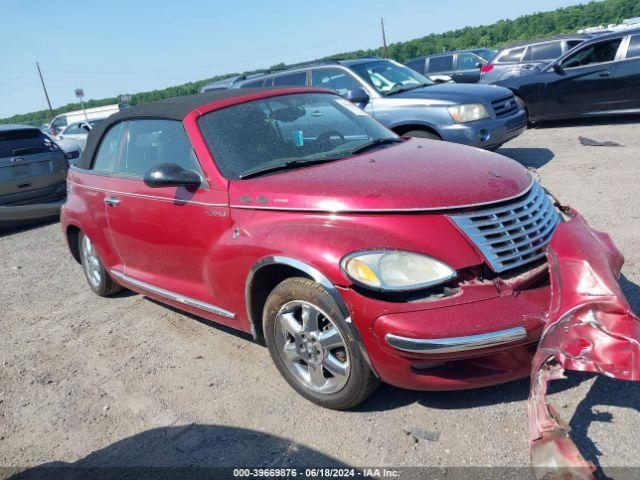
pixel 127 381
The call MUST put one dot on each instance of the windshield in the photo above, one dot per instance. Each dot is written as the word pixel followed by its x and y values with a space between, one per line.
pixel 300 128
pixel 389 77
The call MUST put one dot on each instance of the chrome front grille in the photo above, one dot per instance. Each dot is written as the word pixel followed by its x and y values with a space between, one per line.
pixel 513 233
pixel 505 106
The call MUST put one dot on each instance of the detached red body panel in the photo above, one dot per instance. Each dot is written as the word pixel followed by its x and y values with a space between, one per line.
pixel 591 328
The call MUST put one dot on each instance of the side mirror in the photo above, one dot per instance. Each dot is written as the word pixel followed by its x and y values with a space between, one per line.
pixel 558 69
pixel 86 128
pixel 171 175
pixel 60 137
pixel 479 65
pixel 357 95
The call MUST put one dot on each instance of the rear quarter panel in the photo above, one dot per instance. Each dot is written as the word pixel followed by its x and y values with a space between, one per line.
pixel 85 209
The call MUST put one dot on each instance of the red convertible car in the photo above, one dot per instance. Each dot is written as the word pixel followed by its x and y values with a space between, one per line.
pixel 357 255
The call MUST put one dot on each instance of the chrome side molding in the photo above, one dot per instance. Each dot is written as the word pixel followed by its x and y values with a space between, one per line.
pixel 192 302
pixel 455 344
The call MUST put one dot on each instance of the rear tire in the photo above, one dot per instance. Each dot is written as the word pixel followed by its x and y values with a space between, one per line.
pixel 421 134
pixel 94 271
pixel 309 342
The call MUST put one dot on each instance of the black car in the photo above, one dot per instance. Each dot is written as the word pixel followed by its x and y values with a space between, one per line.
pixel 33 174
pixel 525 58
pixel 461 66
pixel 599 77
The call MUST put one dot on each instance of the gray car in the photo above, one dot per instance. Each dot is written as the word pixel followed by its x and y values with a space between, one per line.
pixel 461 66
pixel 410 104
pixel 526 58
pixel 33 173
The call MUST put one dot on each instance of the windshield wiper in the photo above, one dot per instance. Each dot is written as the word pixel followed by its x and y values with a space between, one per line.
pixel 260 169
pixel 406 89
pixel 375 143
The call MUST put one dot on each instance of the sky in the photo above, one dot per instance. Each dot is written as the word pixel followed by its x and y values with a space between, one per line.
pixel 118 46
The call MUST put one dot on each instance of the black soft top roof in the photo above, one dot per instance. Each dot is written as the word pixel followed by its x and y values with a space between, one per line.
pixel 176 108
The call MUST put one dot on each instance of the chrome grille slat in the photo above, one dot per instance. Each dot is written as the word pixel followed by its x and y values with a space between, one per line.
pixel 530 216
pixel 545 216
pixel 514 233
pixel 507 248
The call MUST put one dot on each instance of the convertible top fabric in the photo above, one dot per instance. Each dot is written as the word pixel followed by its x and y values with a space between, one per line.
pixel 171 109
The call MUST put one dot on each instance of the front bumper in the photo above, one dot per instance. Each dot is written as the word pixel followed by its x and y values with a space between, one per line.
pixel 429 346
pixel 467 342
pixel 489 133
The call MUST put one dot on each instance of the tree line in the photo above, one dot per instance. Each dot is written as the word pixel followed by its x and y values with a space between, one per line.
pixel 538 25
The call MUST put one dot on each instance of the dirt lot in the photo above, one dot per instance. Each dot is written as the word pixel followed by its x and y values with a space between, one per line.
pixel 127 381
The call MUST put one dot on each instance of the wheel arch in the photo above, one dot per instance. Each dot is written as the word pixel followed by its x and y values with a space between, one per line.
pixel 269 271
pixel 403 128
pixel 72 233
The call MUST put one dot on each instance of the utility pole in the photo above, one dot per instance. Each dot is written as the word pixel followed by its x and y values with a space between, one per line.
pixel 45 90
pixel 384 39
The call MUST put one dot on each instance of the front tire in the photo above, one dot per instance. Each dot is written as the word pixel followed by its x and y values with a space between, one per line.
pixel 309 342
pixel 97 277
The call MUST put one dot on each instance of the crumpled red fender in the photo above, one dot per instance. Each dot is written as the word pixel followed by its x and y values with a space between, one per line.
pixel 591 328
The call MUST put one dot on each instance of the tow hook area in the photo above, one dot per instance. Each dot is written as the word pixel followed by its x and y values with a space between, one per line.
pixel 590 328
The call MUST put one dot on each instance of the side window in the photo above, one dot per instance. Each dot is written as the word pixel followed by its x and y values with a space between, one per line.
pixel 573 43
pixel 298 79
pixel 72 129
pixel 417 65
pixel 441 64
pixel 333 79
pixel 108 150
pixel 146 143
pixel 634 47
pixel 253 84
pixel 59 122
pixel 511 56
pixel 593 54
pixel 544 51
pixel 467 61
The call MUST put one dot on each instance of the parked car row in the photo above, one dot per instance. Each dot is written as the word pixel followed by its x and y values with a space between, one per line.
pixel 407 102
pixel 599 77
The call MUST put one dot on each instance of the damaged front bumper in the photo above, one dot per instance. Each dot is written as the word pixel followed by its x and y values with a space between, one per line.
pixel 590 328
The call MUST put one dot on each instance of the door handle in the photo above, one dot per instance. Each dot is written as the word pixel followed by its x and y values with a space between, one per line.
pixel 113 201
pixel 604 74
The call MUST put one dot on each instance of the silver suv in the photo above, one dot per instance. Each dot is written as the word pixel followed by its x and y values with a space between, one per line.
pixel 408 103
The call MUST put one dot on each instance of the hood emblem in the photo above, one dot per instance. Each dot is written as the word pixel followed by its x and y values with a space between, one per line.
pixel 493 174
pixel 507 104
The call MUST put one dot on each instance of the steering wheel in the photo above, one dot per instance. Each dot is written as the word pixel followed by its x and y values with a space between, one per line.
pixel 325 138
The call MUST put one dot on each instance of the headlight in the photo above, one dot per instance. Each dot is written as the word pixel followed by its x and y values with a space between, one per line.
pixel 468 113
pixel 395 270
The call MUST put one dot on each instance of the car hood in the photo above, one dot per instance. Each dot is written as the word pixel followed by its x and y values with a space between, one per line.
pixel 412 176
pixel 456 93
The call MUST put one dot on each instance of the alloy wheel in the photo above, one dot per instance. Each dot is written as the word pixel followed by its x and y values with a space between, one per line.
pixel 312 347
pixel 90 262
